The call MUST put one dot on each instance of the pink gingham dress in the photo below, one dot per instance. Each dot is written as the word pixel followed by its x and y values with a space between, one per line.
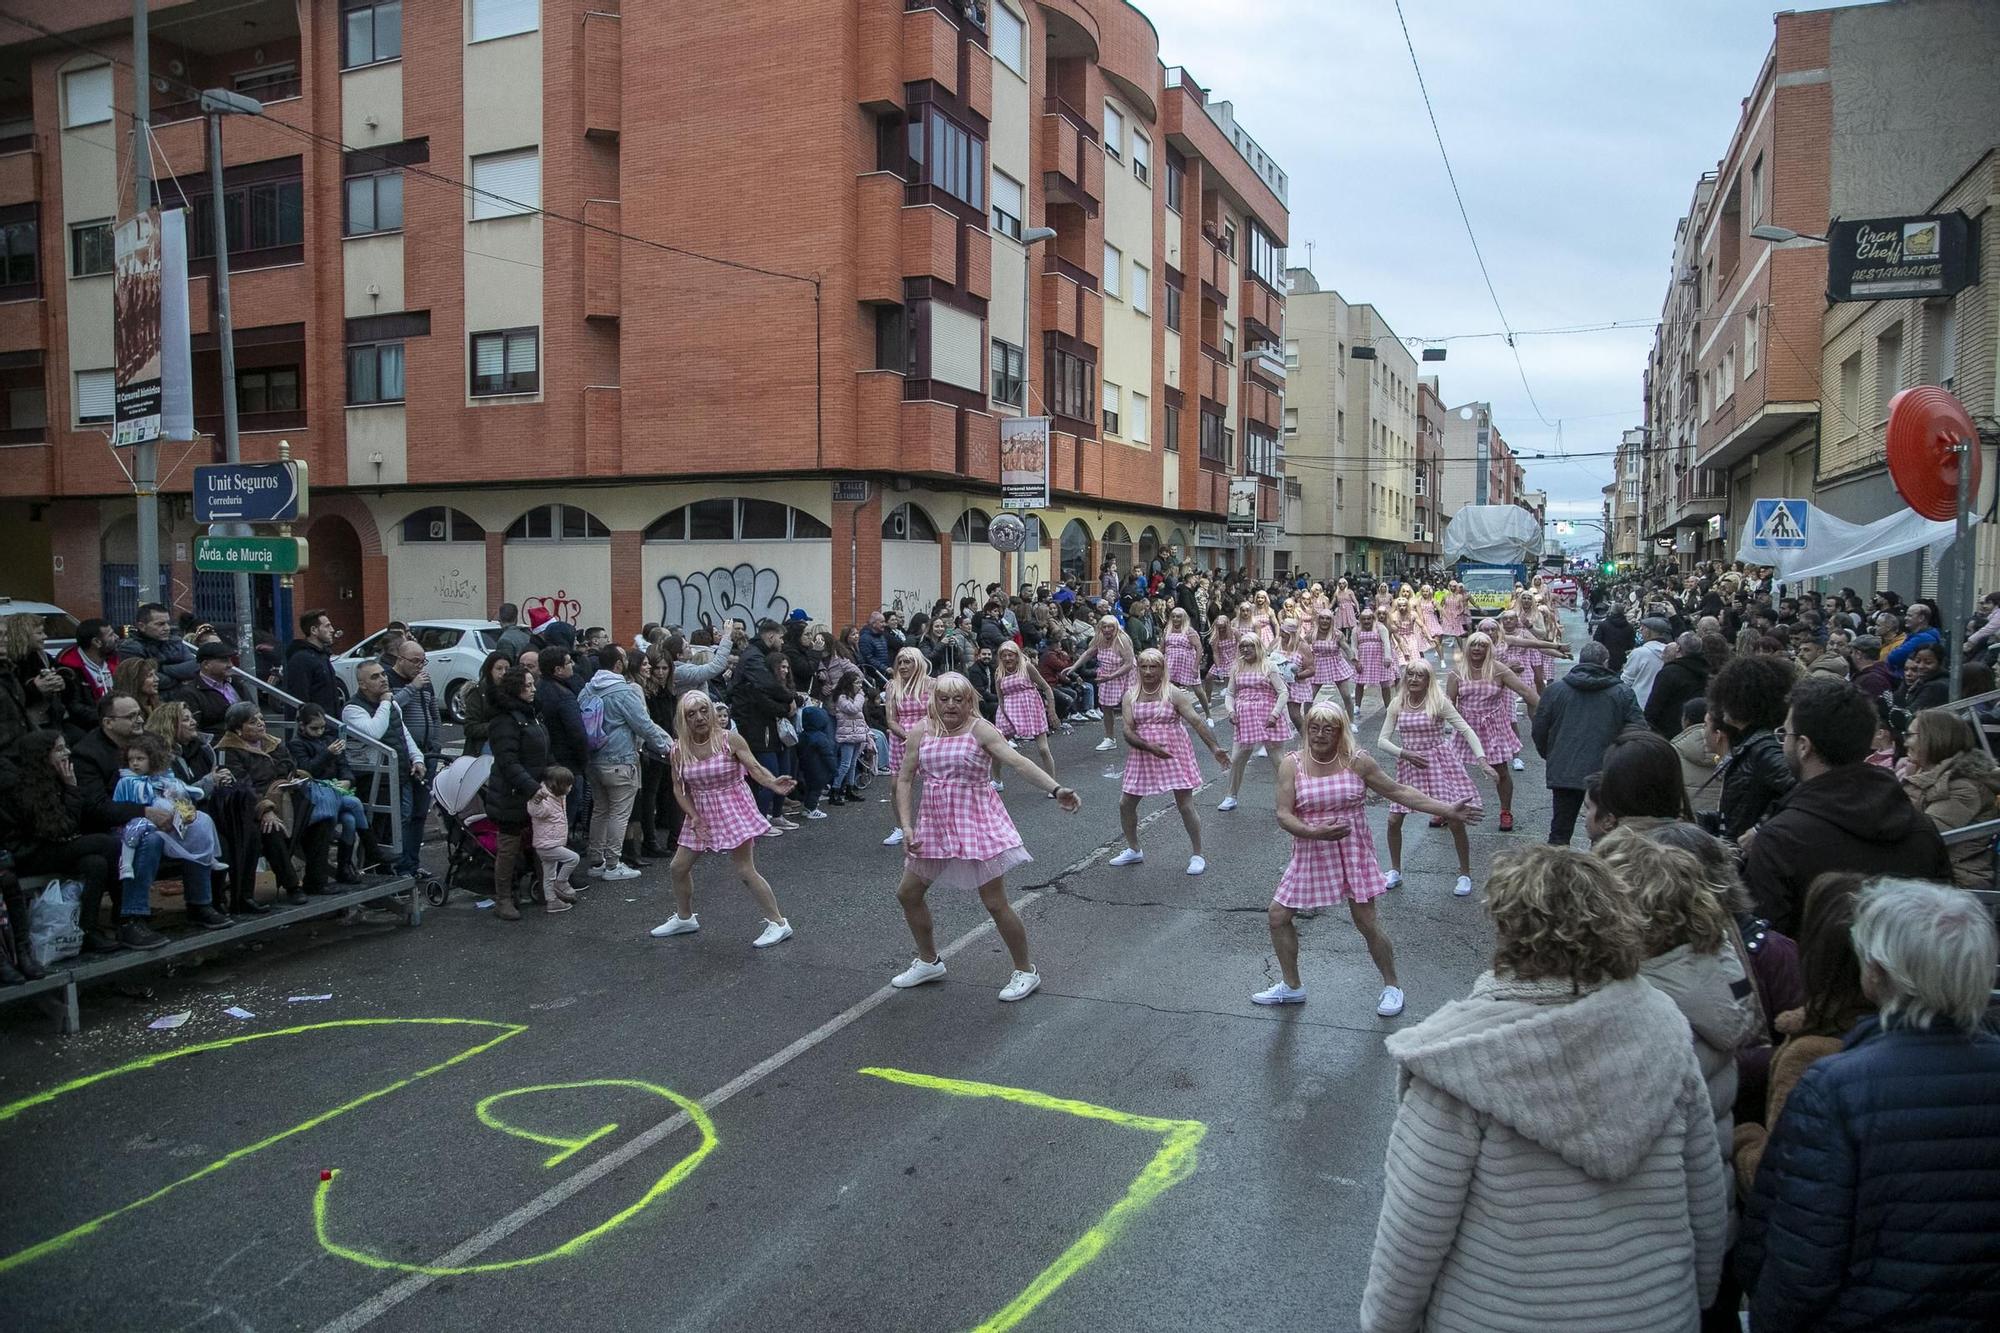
pixel 1223 648
pixel 1147 774
pixel 1298 690
pixel 1408 640
pixel 1344 611
pixel 1330 664
pixel 1252 697
pixel 1325 874
pixel 1432 625
pixel 725 816
pixel 963 830
pixel 1453 624
pixel 1023 715
pixel 910 710
pixel 1372 665
pixel 1183 652
pixel 1417 732
pixel 1111 692
pixel 1487 707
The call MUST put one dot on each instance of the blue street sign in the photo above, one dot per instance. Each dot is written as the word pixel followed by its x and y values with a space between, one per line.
pixel 1779 525
pixel 250 492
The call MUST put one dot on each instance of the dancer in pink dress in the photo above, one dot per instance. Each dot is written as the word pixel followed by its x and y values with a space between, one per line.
pixel 1374 658
pixel 1344 606
pixel 1427 610
pixel 1159 757
pixel 710 764
pixel 960 836
pixel 1479 690
pixel 1451 624
pixel 1027 704
pixel 1257 707
pixel 1112 651
pixel 1322 791
pixel 1293 658
pixel 1430 743
pixel 1183 650
pixel 906 701
pixel 1330 659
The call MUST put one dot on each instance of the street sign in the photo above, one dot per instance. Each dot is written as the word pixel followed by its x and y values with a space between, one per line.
pixel 250 555
pixel 250 492
pixel 1875 259
pixel 850 492
pixel 1778 525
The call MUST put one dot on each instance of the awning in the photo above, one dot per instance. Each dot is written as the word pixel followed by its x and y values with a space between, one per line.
pixel 1834 544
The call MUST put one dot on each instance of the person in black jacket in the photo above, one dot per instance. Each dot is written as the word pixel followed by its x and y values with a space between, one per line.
pixel 520 746
pixel 153 636
pixel 309 674
pixel 556 704
pixel 210 694
pixel 44 826
pixel 1746 704
pixel 1877 1200
pixel 1682 679
pixel 1924 686
pixel 261 766
pixel 1616 634
pixel 757 700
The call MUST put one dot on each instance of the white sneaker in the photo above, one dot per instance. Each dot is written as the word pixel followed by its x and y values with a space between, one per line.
pixel 787 823
pixel 1095 715
pixel 774 932
pixel 895 839
pixel 596 871
pixel 1021 985
pixel 1228 803
pixel 1196 865
pixel 1208 722
pixel 815 813
pixel 619 870
pixel 1462 889
pixel 1263 753
pixel 1280 994
pixel 1391 1002
pixel 1128 857
pixel 1394 880
pixel 775 831
pixel 917 974
pixel 677 925
pixel 1519 767
pixel 999 786
pixel 1107 744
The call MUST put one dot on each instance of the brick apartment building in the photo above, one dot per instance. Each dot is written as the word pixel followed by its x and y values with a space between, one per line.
pixel 1478 466
pixel 719 267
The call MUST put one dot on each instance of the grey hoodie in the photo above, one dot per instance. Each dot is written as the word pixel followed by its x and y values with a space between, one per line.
pixel 626 721
pixel 1720 1004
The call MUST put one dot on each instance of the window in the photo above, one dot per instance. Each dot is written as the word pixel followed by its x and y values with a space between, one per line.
pixel 1260 452
pixel 1291 354
pixel 1757 192
pixel 1111 412
pixel 1291 421
pixel 1009 203
pixel 440 524
pixel 1176 179
pixel 1940 343
pixel 1173 306
pixel 1009 371
pixel 557 522
pixel 1749 342
pixel 374 203
pixel 1340 493
pixel 908 523
pixel 1229 342
pixel 1142 289
pixel 267 389
pixel 259 215
pixel 955 337
pixel 375 373
pixel 1142 158
pixel 1850 395
pixel 503 18
pixel 1888 368
pixel 90 249
pixel 1114 133
pixel 87 96
pixel 1141 426
pixel 1267 259
pixel 1114 264
pixel 27 409
pixel 892 350
pixel 972 526
pixel 1214 439
pixel 1172 421
pixel 506 361
pixel 1422 490
pixel 1072 386
pixel 506 185
pixel 945 154
pixel 371 30
pixel 20 256
pixel 95 395
pixel 1008 39
pixel 1340 427
pixel 1726 386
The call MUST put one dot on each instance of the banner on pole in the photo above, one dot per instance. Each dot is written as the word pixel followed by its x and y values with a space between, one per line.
pixel 1024 462
pixel 152 372
pixel 1243 508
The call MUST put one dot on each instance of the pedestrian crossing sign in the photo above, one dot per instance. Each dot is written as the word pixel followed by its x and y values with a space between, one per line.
pixel 1778 525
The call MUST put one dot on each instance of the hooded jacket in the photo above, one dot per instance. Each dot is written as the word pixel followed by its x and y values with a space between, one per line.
pixel 1855 818
pixel 626 721
pixel 1719 1002
pixel 1680 680
pixel 1578 717
pixel 1698 765
pixel 1615 632
pixel 1958 792
pixel 1553 1165
pixel 520 756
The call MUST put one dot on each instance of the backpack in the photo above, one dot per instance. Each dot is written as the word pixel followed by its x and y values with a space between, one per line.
pixel 592 708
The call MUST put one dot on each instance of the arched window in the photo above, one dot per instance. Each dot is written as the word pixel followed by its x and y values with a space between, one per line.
pixel 557 523
pixel 440 524
pixel 1075 550
pixel 1177 541
pixel 908 523
pixel 727 520
pixel 1116 546
pixel 1149 546
pixel 971 526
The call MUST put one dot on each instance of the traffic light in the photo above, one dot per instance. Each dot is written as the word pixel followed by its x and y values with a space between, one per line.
pixel 1610 568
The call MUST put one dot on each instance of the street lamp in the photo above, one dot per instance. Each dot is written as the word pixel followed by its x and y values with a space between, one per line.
pixel 215 104
pixel 1030 238
pixel 1768 232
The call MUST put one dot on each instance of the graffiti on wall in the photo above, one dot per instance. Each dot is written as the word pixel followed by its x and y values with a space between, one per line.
pixel 711 597
pixel 559 606
pixel 968 588
pixel 907 602
pixel 456 592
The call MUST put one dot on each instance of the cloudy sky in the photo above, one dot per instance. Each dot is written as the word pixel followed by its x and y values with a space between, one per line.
pixel 1576 128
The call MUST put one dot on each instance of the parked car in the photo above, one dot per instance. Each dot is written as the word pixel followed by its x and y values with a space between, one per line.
pixel 60 624
pixel 455 649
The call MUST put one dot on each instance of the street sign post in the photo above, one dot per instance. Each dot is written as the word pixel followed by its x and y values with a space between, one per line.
pixel 1779 525
pixel 251 555
pixel 250 492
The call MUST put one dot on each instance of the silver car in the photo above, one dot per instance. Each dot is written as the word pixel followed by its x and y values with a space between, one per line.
pixel 456 648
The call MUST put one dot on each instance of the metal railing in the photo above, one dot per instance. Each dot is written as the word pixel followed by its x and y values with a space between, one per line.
pixel 379 760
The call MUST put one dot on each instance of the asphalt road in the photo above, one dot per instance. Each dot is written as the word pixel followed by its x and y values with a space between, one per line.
pixel 1135 1147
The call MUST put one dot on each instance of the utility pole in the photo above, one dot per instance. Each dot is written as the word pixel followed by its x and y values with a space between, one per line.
pixel 146 453
pixel 225 333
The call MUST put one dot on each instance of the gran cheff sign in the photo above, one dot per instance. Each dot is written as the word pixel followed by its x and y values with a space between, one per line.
pixel 1883 259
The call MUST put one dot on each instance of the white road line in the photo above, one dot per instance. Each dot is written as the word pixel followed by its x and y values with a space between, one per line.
pixel 466 1251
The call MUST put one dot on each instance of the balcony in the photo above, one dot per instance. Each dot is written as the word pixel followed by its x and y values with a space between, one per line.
pixel 1699 494
pixel 1069 147
pixel 1267 361
pixel 604 77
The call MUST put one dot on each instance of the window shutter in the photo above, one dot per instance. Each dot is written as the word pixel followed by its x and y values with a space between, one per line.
pixel 507 184
pixel 87 96
pixel 503 18
pixel 956 342
pixel 488 356
pixel 521 354
pixel 96 395
pixel 1007 194
pixel 1008 38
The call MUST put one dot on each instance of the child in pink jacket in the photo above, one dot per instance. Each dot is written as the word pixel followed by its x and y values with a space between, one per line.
pixel 548 814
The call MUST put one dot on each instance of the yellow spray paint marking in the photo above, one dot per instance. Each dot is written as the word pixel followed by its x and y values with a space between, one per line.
pixel 574 1244
pixel 1174 1163
pixel 12 1109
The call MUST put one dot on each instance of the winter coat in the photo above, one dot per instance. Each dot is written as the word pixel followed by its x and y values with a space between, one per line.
pixel 757 699
pixel 549 815
pixel 513 641
pixel 1754 778
pixel 874 650
pixel 176 658
pixel 628 727
pixel 1875 680
pixel 1796 1054
pixel 475 700
pixel 209 704
pixel 556 703
pixel 1680 680
pixel 1578 716
pixel 309 676
pixel 261 770
pixel 1914 696
pixel 1698 765
pixel 1878 1200
pixel 1958 792
pixel 314 754
pixel 850 719
pixel 520 755
pixel 1908 644
pixel 1830 664
pixel 1850 818
pixel 420 715
pixel 15 721
pixel 1718 1001
pixel 1616 634
pixel 1643 667
pixel 1553 1165
pixel 97 762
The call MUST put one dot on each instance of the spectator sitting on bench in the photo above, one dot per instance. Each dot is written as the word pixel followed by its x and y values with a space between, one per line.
pixel 322 754
pixel 260 764
pixel 148 780
pixel 42 824
pixel 211 693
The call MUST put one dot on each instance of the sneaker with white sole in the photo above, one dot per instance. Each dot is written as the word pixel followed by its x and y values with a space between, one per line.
pixel 1131 856
pixel 917 973
pixel 597 871
pixel 677 925
pixel 895 839
pixel 1228 803
pixel 1021 985
pixel 1196 865
pixel 1462 889
pixel 772 832
pixel 787 823
pixel 774 932
pixel 1394 880
pixel 1520 767
pixel 1107 744
pixel 815 813
pixel 1280 994
pixel 999 786
pixel 619 870
pixel 1391 1002
pixel 1262 753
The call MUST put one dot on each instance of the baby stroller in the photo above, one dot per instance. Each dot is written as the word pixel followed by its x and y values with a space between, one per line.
pixel 471 839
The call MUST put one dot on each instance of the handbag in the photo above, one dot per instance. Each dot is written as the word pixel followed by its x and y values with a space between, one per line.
pixel 788 732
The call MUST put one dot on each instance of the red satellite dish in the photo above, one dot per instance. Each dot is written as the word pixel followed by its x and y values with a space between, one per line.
pixel 1925 426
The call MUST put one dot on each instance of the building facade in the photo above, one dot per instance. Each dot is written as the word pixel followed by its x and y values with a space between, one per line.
pixel 1427 476
pixel 1479 467
pixel 743 350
